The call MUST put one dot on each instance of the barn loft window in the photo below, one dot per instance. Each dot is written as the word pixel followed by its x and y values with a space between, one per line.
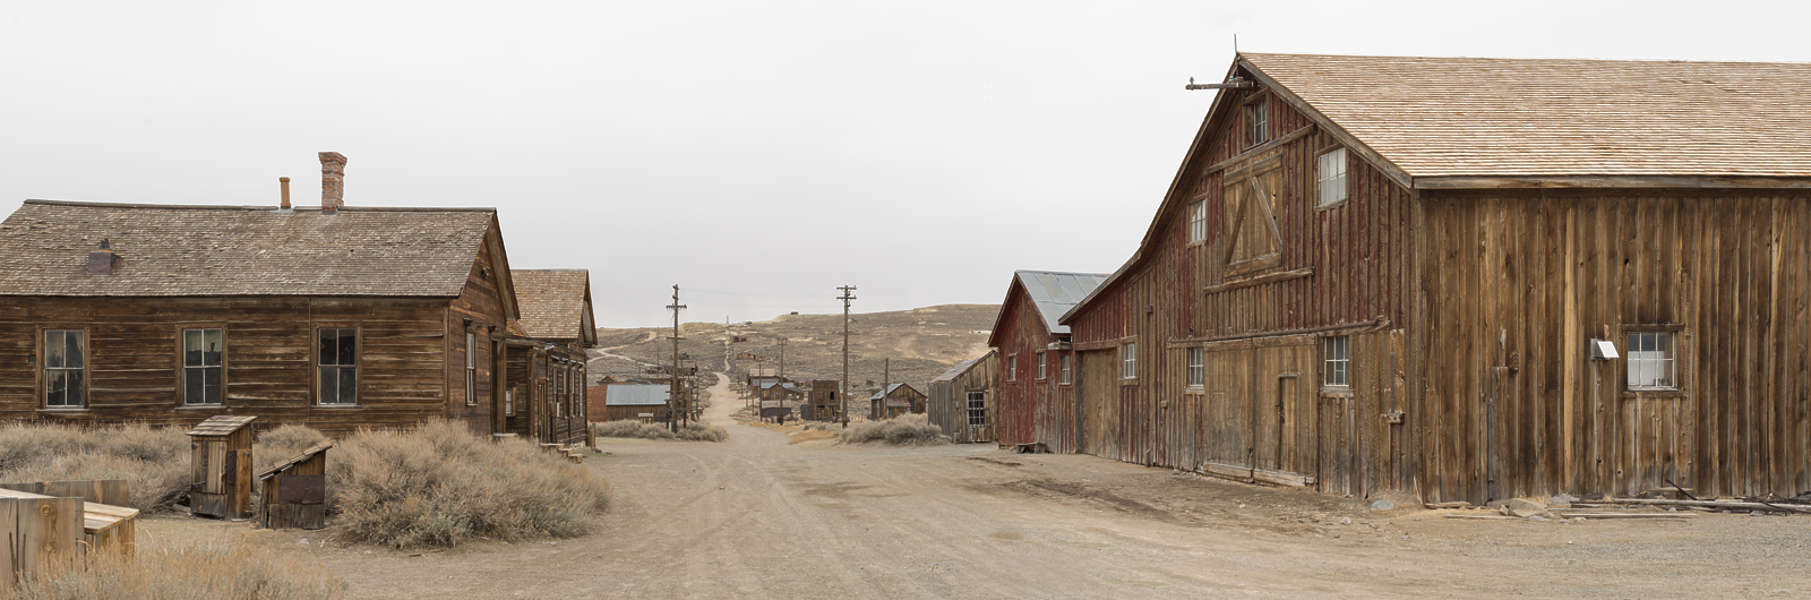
pixel 338 365
pixel 1012 367
pixel 201 366
pixel 1064 373
pixel 1041 367
pixel 1337 362
pixel 1651 360
pixel 471 368
pixel 1128 360
pixel 1259 117
pixel 1197 367
pixel 1197 222
pixel 1330 177
pixel 977 409
pixel 65 357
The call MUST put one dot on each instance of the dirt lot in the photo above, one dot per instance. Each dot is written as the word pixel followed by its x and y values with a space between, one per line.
pixel 758 517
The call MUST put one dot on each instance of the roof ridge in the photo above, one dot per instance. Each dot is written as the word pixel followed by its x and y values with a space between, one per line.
pixel 1046 272
pixel 1532 59
pixel 267 208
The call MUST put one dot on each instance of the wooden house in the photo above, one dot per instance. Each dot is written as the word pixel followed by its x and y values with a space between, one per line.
pixel 545 399
pixel 1034 401
pixel 822 403
pixel 961 401
pixel 1472 279
pixel 645 402
pixel 780 399
pixel 334 317
pixel 897 399
pixel 760 376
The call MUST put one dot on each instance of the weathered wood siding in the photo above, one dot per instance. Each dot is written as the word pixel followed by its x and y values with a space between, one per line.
pixel 947 407
pixel 1519 281
pixel 1030 410
pixel 480 303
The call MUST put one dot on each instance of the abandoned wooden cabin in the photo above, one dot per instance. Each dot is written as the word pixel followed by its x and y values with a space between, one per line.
pixel 1035 403
pixel 897 399
pixel 961 401
pixel 334 317
pixel 545 399
pixel 759 376
pixel 780 399
pixel 645 402
pixel 822 402
pixel 1472 279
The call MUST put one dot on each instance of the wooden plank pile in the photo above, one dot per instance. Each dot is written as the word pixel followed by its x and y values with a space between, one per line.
pixel 44 521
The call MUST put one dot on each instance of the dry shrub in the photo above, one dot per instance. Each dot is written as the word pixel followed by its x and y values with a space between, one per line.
pixel 691 432
pixel 153 461
pixel 214 572
pixel 283 443
pixel 441 485
pixel 903 430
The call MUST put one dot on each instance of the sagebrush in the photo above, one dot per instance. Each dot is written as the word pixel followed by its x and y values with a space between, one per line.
pixel 693 432
pixel 441 485
pixel 903 430
pixel 214 572
pixel 283 443
pixel 153 461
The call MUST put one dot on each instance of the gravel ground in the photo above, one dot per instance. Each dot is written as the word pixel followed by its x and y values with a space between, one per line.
pixel 758 517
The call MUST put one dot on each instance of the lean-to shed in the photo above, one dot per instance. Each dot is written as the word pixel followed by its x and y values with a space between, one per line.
pixel 961 401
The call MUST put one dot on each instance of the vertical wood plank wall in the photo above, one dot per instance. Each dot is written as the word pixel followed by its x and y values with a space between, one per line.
pixel 948 404
pixel 1031 410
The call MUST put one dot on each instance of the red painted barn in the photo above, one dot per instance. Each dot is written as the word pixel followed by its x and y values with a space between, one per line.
pixel 1035 403
pixel 1471 279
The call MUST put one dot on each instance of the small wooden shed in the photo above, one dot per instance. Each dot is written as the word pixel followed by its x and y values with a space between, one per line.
pixel 962 399
pixel 897 399
pixel 293 495
pixel 823 404
pixel 221 455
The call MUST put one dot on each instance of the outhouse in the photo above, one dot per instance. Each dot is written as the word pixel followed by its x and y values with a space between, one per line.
pixel 221 459
pixel 293 495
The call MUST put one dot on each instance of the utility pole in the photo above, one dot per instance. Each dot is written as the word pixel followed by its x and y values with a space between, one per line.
pixel 886 381
pixel 673 395
pixel 782 358
pixel 846 297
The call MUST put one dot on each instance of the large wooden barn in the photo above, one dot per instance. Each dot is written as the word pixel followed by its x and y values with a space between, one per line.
pixel 335 317
pixel 1472 279
pixel 1035 403
pixel 547 360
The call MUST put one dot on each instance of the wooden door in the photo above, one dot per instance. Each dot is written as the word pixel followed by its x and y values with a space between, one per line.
pixel 1334 428
pixel 1099 401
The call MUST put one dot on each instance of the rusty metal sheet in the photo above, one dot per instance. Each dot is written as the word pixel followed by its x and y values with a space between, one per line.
pixel 301 489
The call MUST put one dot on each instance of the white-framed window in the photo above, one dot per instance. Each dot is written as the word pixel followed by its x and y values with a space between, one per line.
pixel 1041 366
pixel 1065 373
pixel 202 367
pixel 1197 367
pixel 1259 117
pixel 65 373
pixel 1651 360
pixel 1012 367
pixel 1337 361
pixel 1197 221
pixel 509 401
pixel 337 365
pixel 1128 360
pixel 1330 177
pixel 977 409
pixel 471 368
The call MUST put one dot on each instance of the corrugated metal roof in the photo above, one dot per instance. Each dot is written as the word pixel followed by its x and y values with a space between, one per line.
pixel 635 394
pixel 1054 293
pixel 959 369
pixel 878 395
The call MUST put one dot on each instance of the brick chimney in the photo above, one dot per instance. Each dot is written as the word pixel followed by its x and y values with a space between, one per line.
pixel 283 182
pixel 102 260
pixel 333 181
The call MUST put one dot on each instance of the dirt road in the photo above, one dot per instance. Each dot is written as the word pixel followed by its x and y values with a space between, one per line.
pixel 757 517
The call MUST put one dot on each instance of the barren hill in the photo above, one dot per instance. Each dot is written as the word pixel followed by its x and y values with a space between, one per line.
pixel 920 342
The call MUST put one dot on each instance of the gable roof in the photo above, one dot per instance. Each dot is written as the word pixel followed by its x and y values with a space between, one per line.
pixel 554 303
pixel 1494 117
pixel 167 250
pixel 1051 293
pixel 960 368
pixel 635 394
pixel 889 391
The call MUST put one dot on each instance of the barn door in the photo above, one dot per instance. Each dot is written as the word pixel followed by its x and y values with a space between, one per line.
pixel 1334 425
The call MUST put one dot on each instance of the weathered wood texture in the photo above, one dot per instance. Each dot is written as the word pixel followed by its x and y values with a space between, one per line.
pixel 1520 280
pixel 822 404
pixel 902 399
pixel 948 403
pixel 38 531
pixel 1030 410
pixel 220 482
pixel 108 525
pixel 293 495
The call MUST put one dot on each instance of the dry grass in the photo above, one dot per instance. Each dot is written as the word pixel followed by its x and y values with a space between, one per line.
pixel 442 485
pixel 903 430
pixel 216 572
pixel 154 462
pixel 692 432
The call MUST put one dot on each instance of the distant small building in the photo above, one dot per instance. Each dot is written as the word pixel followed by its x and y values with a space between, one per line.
pixel 645 402
pixel 823 404
pixel 961 400
pixel 780 399
pixel 897 399
pixel 759 376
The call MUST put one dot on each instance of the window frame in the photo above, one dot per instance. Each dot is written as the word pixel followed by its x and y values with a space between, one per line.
pixel 1012 367
pixel 183 366
pixel 1257 117
pixel 358 353
pixel 1043 366
pixel 43 368
pixel 1629 334
pixel 471 367
pixel 1195 369
pixel 1341 365
pixel 974 410
pixel 1197 221
pixel 1128 361
pixel 1065 369
pixel 1343 177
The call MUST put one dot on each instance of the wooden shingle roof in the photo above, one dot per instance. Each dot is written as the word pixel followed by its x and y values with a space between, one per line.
pixel 1484 117
pixel 552 302
pixel 232 250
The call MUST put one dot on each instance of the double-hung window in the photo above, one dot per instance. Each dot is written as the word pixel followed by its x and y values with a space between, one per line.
pixel 1197 368
pixel 1197 222
pixel 1651 360
pixel 337 362
pixel 1042 369
pixel 1128 360
pixel 1330 177
pixel 1012 367
pixel 65 356
pixel 1066 375
pixel 1337 362
pixel 202 368
pixel 977 409
pixel 1259 121
pixel 471 368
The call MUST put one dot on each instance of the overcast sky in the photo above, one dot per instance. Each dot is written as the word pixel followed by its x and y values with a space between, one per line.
pixel 756 153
